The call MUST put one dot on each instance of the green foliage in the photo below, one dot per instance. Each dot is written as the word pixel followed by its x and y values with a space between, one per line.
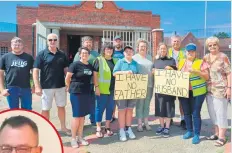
pixel 222 35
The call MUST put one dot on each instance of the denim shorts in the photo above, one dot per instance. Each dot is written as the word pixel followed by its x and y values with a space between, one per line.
pixel 127 103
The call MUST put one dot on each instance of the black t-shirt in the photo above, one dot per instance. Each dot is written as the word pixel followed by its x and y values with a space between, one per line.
pixel 111 66
pixel 161 63
pixel 51 68
pixel 17 69
pixel 82 74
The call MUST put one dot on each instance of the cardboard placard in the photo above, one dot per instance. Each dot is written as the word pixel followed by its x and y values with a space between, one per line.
pixel 130 86
pixel 172 82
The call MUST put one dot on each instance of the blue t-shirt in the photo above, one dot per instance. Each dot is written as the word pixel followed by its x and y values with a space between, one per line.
pixel 118 54
pixel 123 65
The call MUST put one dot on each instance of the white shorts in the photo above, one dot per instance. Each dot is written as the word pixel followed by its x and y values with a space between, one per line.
pixel 217 108
pixel 59 94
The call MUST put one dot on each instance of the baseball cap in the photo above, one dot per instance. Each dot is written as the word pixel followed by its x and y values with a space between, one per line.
pixel 191 47
pixel 128 46
pixel 117 37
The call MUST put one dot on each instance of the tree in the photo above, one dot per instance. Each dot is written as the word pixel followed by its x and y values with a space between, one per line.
pixel 222 35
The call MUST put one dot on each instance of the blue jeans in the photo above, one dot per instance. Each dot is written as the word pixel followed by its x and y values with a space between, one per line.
pixel 92 105
pixel 23 93
pixel 104 102
pixel 192 111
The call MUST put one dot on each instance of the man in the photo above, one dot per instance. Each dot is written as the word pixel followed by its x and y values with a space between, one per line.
pixel 177 53
pixel 88 42
pixel 52 64
pixel 118 50
pixel 19 134
pixel 17 66
pixel 118 54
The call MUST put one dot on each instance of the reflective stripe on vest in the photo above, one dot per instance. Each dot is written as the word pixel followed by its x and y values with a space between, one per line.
pixel 198 84
pixel 181 54
pixel 104 75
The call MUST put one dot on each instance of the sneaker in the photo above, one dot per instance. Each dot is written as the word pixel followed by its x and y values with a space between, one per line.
pixel 83 142
pixel 130 133
pixel 159 130
pixel 196 139
pixel 74 143
pixel 188 135
pixel 183 124
pixel 122 135
pixel 165 132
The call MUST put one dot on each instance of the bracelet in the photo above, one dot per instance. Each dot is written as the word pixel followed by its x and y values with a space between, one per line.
pixel 96 86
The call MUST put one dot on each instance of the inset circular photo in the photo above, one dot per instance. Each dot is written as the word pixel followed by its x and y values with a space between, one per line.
pixel 23 131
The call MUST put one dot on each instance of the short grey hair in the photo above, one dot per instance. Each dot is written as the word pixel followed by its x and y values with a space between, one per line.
pixel 213 38
pixel 175 36
pixel 16 39
pixel 87 38
pixel 52 34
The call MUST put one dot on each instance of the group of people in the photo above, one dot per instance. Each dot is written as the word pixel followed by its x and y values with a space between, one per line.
pixel 90 80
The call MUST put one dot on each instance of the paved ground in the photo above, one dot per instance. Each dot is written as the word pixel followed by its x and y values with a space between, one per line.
pixel 146 142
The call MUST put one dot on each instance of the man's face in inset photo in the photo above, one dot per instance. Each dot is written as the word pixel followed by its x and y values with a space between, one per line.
pixel 19 140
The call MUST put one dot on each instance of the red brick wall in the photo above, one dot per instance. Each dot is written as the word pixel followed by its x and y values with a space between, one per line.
pixel 157 37
pixel 5 44
pixel 26 16
pixel 85 13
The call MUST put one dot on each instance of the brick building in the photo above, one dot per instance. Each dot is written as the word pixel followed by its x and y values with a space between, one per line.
pixel 190 38
pixel 101 20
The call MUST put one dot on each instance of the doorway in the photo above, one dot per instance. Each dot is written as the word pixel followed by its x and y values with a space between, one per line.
pixel 74 42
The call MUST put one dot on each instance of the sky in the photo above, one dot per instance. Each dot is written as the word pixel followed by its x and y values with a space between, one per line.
pixel 175 16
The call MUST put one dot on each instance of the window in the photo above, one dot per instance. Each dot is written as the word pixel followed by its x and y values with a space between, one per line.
pixel 3 50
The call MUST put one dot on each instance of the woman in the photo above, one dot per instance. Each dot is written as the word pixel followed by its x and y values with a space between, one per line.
pixel 219 89
pixel 125 107
pixel 104 88
pixel 197 91
pixel 144 67
pixel 164 104
pixel 78 82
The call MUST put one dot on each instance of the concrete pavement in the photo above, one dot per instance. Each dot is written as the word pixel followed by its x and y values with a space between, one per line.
pixel 146 142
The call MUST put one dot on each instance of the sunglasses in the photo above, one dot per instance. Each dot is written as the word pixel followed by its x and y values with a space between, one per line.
pixel 214 45
pixel 52 39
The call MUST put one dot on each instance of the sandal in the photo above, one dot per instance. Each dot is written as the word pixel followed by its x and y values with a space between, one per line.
pixel 212 137
pixel 147 127
pixel 140 128
pixel 99 134
pixel 109 132
pixel 220 143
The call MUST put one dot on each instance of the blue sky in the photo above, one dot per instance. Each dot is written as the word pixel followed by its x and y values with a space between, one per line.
pixel 175 16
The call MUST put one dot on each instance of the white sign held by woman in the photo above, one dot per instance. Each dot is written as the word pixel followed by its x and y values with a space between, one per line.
pixel 130 86
pixel 172 82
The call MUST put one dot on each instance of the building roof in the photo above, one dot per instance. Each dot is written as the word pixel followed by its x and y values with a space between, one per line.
pixel 6 36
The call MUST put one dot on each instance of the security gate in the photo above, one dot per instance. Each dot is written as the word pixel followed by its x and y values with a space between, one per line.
pixel 128 37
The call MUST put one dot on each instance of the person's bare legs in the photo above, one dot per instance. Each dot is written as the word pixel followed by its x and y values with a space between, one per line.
pixel 161 120
pixel 216 130
pixel 167 122
pixel 80 127
pixel 129 116
pixel 46 114
pixel 122 118
pixel 61 115
pixel 222 133
pixel 74 126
